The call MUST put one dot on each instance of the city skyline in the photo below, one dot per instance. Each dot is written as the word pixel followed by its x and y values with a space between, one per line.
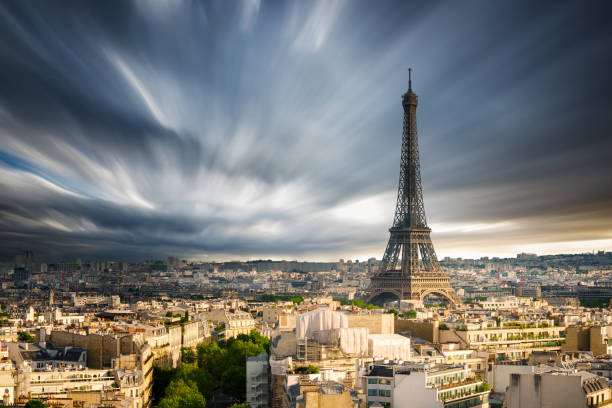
pixel 258 130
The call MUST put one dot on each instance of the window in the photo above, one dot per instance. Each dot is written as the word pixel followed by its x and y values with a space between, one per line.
pixel 372 393
pixel 384 381
pixel 372 381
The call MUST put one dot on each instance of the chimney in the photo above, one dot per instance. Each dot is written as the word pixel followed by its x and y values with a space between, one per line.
pixel 42 334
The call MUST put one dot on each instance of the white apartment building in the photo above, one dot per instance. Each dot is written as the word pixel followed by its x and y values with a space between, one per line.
pixel 511 341
pixel 425 386
pixel 53 371
pixel 57 382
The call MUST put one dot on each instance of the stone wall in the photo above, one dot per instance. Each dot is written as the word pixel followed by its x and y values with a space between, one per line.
pixel 175 339
pixel 577 338
pixel 377 323
pixel 100 349
pixel 429 331
pixel 190 333
pixel 598 346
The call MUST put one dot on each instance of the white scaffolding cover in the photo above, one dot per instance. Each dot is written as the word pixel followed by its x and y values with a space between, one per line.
pixel 389 346
pixel 352 340
pixel 316 320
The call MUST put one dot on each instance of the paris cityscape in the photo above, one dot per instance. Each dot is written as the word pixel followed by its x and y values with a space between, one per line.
pixel 305 204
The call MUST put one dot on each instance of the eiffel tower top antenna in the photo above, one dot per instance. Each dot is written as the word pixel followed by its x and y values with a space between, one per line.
pixel 410 79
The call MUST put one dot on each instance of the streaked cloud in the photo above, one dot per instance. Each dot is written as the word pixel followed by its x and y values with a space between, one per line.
pixel 254 129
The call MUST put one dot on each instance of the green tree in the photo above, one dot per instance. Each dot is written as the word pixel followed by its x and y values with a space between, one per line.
pixel 240 406
pixel 188 356
pixel 182 394
pixel 169 314
pixel 394 311
pixel 35 403
pixel 483 387
pixel 202 378
pixel 238 350
pixel 255 337
pixel 211 358
pixel 411 314
pixel 309 369
pixel 359 303
pixel 233 382
pixel 278 298
pixel 26 338
pixel 219 365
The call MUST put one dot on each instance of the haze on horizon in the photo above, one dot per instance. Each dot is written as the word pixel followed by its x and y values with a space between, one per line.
pixel 260 129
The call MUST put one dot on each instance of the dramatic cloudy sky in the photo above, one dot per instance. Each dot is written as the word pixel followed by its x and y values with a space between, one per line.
pixel 248 129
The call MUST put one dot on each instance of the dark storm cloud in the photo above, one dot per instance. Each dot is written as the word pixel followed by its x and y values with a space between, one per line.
pixel 218 129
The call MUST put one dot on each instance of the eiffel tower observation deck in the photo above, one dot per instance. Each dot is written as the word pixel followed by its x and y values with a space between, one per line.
pixel 410 268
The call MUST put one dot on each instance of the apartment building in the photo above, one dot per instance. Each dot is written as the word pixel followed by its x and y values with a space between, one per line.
pixel 475 361
pixel 306 391
pixel 596 339
pixel 559 389
pixel 328 395
pixel 424 385
pixel 234 323
pixel 7 377
pixel 509 340
pixel 45 371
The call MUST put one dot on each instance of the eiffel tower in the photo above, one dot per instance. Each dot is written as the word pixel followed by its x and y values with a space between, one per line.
pixel 401 275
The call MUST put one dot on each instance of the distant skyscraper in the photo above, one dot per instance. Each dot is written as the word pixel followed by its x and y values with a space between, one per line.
pixel 410 268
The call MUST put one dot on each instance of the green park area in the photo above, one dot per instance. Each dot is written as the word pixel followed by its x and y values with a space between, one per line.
pixel 214 372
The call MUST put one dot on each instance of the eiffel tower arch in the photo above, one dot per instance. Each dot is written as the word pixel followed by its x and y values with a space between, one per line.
pixel 410 269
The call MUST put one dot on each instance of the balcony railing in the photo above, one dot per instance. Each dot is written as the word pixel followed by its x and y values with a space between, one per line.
pixel 72 380
pixel 458 384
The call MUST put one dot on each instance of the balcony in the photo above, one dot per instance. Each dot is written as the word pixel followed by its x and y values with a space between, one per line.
pixel 463 390
pixel 469 381
pixel 472 401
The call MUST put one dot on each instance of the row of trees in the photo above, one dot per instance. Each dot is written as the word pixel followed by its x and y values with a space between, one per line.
pixel 281 298
pixel 410 314
pixel 356 302
pixel 212 368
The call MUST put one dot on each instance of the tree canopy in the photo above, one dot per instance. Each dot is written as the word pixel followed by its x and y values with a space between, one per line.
pixel 216 366
pixel 188 356
pixel 34 403
pixel 27 338
pixel 182 394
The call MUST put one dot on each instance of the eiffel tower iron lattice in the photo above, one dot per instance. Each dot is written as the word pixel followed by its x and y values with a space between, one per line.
pixel 410 268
